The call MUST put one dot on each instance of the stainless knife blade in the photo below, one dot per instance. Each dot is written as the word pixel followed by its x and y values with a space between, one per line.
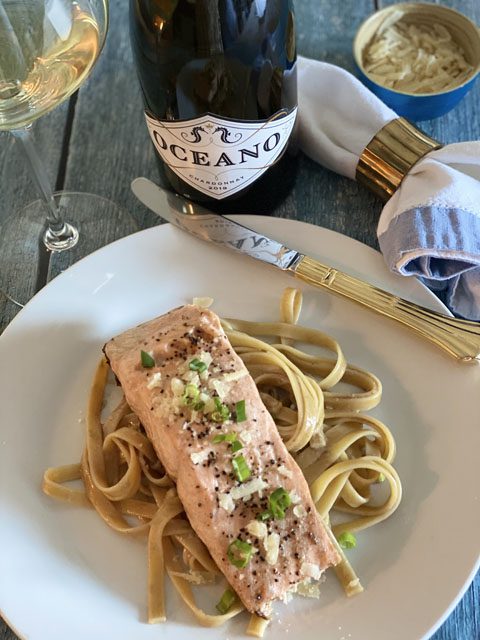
pixel 459 338
pixel 214 228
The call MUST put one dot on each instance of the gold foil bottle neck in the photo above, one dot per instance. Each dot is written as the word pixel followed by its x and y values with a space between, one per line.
pixel 390 155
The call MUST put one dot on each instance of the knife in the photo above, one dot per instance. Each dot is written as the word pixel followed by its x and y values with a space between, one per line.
pixel 459 338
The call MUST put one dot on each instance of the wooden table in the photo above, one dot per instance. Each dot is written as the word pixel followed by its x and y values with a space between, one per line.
pixel 98 143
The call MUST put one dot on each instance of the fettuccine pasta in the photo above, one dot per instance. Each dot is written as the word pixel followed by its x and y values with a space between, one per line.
pixel 343 453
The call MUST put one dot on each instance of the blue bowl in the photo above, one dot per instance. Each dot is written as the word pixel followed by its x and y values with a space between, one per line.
pixel 421 106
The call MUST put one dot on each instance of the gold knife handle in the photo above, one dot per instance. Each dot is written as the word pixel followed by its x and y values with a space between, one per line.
pixel 459 338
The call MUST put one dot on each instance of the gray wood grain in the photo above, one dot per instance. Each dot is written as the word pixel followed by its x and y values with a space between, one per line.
pixel 325 32
pixel 6 632
pixel 462 123
pixel 110 146
pixel 17 190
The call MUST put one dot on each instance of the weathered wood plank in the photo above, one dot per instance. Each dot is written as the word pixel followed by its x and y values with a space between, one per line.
pixel 462 123
pixel 17 190
pixel 5 632
pixel 110 146
pixel 325 32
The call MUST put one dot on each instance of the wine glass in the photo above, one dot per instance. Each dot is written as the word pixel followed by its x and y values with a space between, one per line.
pixel 47 49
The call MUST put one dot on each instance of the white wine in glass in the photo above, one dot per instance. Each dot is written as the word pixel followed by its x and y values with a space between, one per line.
pixel 47 49
pixel 45 63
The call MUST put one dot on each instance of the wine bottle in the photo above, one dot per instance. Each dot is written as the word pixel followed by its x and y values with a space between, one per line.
pixel 219 84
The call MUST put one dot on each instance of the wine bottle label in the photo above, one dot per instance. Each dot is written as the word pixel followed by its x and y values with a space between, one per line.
pixel 217 156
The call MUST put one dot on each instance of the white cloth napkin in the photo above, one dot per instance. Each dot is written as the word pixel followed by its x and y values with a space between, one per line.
pixel 430 228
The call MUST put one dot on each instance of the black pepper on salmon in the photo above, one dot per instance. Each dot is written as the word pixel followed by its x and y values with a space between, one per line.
pixel 243 493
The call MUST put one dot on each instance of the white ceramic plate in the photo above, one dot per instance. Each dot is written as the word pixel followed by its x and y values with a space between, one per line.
pixel 64 574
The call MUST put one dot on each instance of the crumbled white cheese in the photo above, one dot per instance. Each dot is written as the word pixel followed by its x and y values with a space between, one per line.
pixel 234 375
pixel 317 440
pixel 288 595
pixel 220 387
pixel 222 384
pixel 353 584
pixel 257 529
pixel 195 577
pixel 247 488
pixel 245 436
pixel 311 422
pixel 199 457
pixel 272 546
pixel 294 497
pixel 204 302
pixel 310 570
pixel 284 471
pixel 226 502
pixel 308 589
pixel 192 377
pixel 299 511
pixel 177 387
pixel 209 403
pixel 206 357
pixel 155 380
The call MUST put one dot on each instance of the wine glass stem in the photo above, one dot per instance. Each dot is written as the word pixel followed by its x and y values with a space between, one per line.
pixel 59 235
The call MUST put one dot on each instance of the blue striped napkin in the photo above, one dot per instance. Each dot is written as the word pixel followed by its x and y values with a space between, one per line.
pixel 430 228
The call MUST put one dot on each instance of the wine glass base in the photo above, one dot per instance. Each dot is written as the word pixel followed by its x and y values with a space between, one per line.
pixel 65 239
pixel 30 256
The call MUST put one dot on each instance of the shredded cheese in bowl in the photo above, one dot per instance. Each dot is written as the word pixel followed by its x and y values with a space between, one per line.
pixel 415 58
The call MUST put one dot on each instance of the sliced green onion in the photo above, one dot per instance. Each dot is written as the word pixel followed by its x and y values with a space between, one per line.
pixel 190 394
pixel 278 501
pixel 347 540
pixel 236 445
pixel 239 553
pixel 197 365
pixel 265 515
pixel 381 477
pixel 240 411
pixel 226 601
pixel 241 468
pixel 221 413
pixel 147 361
pixel 225 437
pixel 198 406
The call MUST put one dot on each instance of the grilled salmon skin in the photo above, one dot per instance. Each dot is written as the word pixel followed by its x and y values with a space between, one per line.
pixel 243 493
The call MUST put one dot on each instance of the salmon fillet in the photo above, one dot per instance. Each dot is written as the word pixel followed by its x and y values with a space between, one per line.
pixel 195 445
